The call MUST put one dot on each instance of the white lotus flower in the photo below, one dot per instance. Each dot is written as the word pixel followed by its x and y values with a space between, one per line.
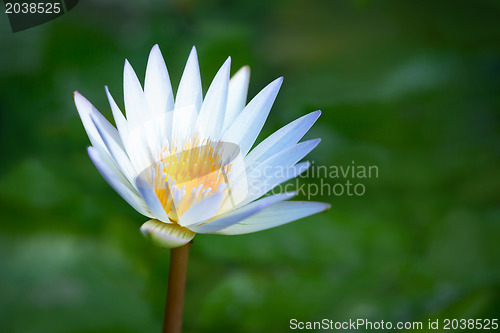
pixel 186 162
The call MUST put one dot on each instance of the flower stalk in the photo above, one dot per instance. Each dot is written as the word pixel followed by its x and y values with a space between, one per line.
pixel 176 287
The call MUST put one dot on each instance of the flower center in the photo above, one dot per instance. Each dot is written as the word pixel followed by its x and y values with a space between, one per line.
pixel 181 179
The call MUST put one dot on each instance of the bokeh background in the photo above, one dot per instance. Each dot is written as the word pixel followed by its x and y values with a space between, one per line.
pixel 411 87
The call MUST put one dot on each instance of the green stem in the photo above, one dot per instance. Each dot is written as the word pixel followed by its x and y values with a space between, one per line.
pixel 176 286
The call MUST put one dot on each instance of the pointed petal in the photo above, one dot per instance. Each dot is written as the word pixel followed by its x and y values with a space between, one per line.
pixel 211 117
pixel 133 142
pixel 121 122
pixel 157 87
pixel 139 119
pixel 277 214
pixel 114 147
pixel 284 159
pixel 246 127
pixel 237 95
pixel 189 91
pixel 263 174
pixel 283 138
pixel 167 235
pixel 106 137
pixel 148 194
pixel 202 210
pixel 262 185
pixel 112 175
pixel 133 95
pixel 85 108
pixel 293 154
pixel 227 219
pixel 159 95
pixel 131 146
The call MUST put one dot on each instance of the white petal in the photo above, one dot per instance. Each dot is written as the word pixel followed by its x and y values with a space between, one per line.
pixel 148 194
pixel 227 219
pixel 278 164
pixel 133 95
pixel 284 159
pixel 159 95
pixel 85 108
pixel 183 124
pixel 157 87
pixel 108 164
pixel 278 214
pixel 136 149
pixel 115 147
pixel 202 210
pixel 106 137
pixel 235 179
pixel 291 155
pixel 211 117
pixel 139 118
pixel 237 95
pixel 283 138
pixel 121 122
pixel 262 185
pixel 189 91
pixel 246 127
pixel 112 175
pixel 133 142
pixel 167 235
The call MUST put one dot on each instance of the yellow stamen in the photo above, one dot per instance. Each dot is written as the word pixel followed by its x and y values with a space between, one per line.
pixel 181 179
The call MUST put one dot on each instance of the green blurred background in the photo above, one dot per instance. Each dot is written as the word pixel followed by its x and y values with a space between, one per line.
pixel 409 86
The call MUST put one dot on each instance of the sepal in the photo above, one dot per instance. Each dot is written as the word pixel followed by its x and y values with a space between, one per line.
pixel 168 235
